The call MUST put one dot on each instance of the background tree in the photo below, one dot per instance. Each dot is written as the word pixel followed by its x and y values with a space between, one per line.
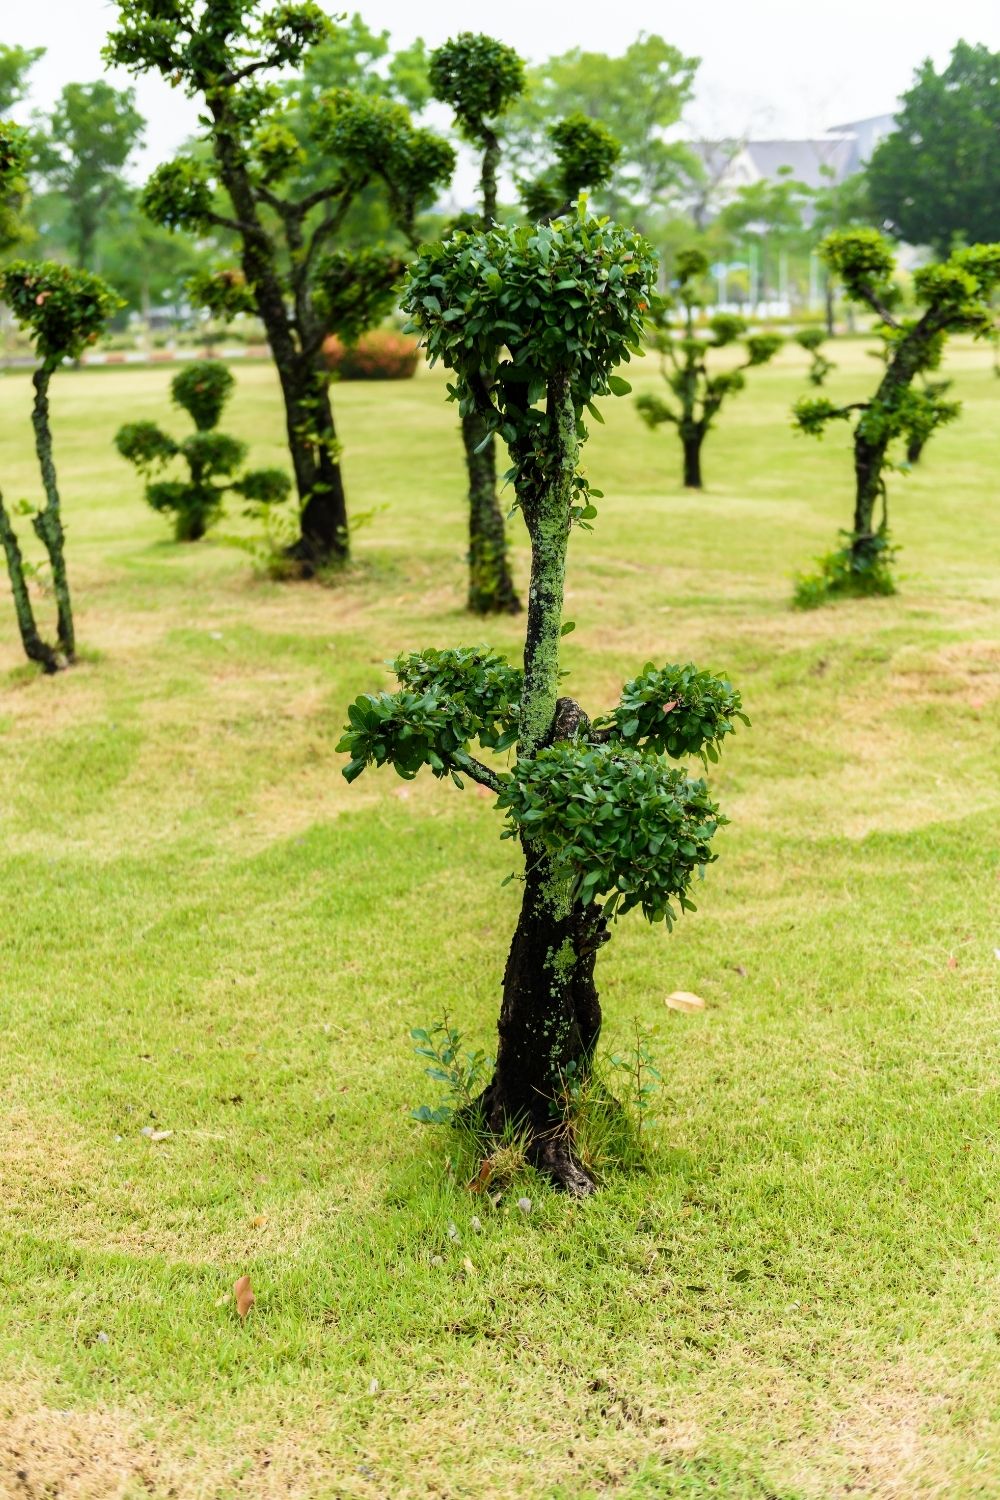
pixel 63 311
pixel 698 394
pixel 84 145
pixel 201 389
pixel 933 181
pixel 956 297
pixel 301 287
pixel 638 96
pixel 480 79
pixel 15 65
pixel 770 215
pixel 605 825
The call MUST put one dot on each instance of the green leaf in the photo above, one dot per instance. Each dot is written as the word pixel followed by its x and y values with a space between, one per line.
pixel 618 386
pixel 568 626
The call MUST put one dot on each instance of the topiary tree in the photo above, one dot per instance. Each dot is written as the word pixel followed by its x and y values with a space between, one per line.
pixel 955 296
pixel 292 273
pixel 480 79
pixel 202 390
pixel 63 311
pixel 698 394
pixel 812 341
pixel 605 824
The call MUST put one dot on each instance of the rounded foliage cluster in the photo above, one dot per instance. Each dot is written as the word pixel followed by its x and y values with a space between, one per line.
pixel 526 305
pixel 676 711
pixel 143 444
pixel 178 195
pixel 585 152
pixel 447 700
pixel 690 265
pixel 620 825
pixel 478 76
pixel 62 309
pixel 860 257
pixel 380 355
pixel 202 390
pixel 222 293
pixel 355 288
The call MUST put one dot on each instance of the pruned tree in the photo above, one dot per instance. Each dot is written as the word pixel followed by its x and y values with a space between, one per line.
pixel 213 458
pixel 812 341
pixel 955 296
pixel 480 79
pixel 697 392
pixel 83 147
pixel 62 310
pixel 302 283
pixel 605 825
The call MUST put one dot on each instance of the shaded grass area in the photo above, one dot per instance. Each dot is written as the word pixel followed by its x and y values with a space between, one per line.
pixel 207 932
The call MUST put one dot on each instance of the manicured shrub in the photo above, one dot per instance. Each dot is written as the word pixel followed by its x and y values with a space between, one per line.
pixel 533 323
pixel 213 459
pixel 956 297
pixel 697 393
pixel 380 355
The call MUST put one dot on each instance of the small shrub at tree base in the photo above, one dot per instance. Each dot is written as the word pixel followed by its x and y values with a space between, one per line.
pixel 379 355
pixel 956 296
pixel 202 390
pixel 533 323
pixel 839 575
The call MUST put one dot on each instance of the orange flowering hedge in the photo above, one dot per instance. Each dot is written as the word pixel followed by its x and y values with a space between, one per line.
pixel 379 355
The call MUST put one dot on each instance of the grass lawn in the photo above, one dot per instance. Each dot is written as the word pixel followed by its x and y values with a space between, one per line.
pixel 207 932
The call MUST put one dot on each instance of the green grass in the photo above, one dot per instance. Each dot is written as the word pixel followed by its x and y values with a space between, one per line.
pixel 206 931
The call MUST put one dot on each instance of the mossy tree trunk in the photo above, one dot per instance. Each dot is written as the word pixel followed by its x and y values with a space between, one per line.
pixel 870 452
pixel 491 588
pixel 550 1017
pixel 48 521
pixel 35 649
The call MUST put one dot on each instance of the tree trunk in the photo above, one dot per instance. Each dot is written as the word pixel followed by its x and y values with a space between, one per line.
pixel 914 448
pixel 869 459
pixel 35 649
pixel 48 522
pixel 491 588
pixel 315 451
pixel 550 1022
pixel 312 436
pixel 550 1017
pixel 692 462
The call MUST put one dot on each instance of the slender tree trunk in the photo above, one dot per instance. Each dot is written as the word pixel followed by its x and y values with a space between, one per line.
pixel 692 461
pixel 48 522
pixel 550 1016
pixel 491 588
pixel 35 649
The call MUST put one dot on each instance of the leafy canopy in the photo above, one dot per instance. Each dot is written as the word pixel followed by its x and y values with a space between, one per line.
pixel 524 304
pixel 62 309
pixel 933 181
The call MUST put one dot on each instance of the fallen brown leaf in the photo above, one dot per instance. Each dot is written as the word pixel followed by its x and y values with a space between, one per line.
pixel 685 1001
pixel 259 1222
pixel 482 1177
pixel 243 1292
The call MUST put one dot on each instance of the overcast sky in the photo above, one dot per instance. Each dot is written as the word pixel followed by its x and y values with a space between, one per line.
pixel 773 67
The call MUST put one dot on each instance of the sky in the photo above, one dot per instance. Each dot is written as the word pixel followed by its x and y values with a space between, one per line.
pixel 770 68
